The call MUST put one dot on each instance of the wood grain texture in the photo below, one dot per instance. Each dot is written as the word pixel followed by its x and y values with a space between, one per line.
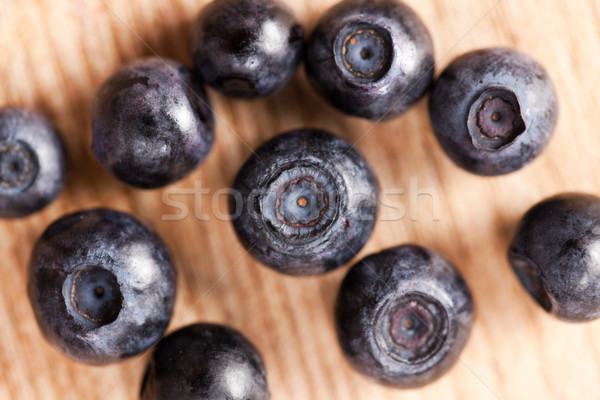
pixel 55 54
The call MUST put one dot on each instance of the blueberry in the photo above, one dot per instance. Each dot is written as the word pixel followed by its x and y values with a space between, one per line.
pixel 205 361
pixel 371 59
pixel 556 255
pixel 403 316
pixel 33 165
pixel 247 48
pixel 307 202
pixel 493 110
pixel 152 123
pixel 101 285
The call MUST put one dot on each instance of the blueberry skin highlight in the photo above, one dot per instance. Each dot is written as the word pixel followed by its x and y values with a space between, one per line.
pixel 33 162
pixel 403 316
pixel 205 361
pixel 152 123
pixel 370 58
pixel 555 255
pixel 101 285
pixel 247 48
pixel 493 110
pixel 306 202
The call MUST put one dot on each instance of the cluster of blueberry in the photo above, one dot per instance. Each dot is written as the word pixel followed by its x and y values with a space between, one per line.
pixel 102 285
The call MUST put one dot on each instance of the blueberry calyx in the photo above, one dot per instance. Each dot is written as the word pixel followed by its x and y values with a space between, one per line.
pixel 300 202
pixel 412 328
pixel 18 166
pixel 363 51
pixel 94 297
pixel 495 119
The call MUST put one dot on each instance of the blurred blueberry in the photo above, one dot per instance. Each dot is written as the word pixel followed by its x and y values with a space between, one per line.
pixel 371 58
pixel 247 48
pixel 403 316
pixel 152 123
pixel 33 165
pixel 556 255
pixel 205 361
pixel 101 285
pixel 493 110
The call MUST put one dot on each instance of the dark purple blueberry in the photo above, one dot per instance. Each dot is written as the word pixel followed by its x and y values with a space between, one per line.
pixel 247 48
pixel 403 316
pixel 152 123
pixel 493 110
pixel 101 285
pixel 33 165
pixel 208 362
pixel 307 202
pixel 556 255
pixel 370 58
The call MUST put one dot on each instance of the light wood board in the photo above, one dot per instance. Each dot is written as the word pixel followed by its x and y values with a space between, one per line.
pixel 55 53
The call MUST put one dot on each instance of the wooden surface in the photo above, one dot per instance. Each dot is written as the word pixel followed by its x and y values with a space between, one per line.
pixel 55 53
